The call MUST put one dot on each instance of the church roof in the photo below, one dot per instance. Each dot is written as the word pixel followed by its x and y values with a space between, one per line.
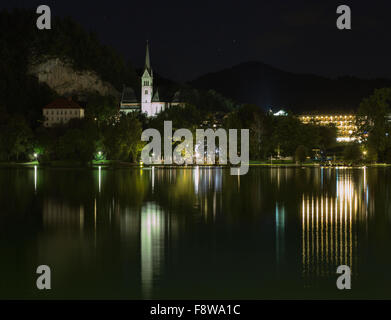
pixel 156 96
pixel 63 103
pixel 128 95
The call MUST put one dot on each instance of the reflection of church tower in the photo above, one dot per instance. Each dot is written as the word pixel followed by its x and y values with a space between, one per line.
pixel 147 85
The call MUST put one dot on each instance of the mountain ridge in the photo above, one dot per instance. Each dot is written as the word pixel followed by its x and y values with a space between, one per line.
pixel 267 86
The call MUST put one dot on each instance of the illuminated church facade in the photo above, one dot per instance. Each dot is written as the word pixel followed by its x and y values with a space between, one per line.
pixel 149 102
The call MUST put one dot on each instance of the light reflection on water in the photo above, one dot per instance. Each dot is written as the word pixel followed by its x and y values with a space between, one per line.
pixel 280 233
pixel 329 227
pixel 151 230
pixel 152 245
pixel 60 215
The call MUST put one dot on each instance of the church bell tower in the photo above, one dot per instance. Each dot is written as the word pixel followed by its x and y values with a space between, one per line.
pixel 147 85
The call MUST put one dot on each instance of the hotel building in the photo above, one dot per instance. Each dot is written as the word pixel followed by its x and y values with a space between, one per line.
pixel 345 124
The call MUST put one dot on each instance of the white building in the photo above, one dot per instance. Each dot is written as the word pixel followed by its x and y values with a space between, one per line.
pixel 345 124
pixel 150 102
pixel 61 111
pixel 280 113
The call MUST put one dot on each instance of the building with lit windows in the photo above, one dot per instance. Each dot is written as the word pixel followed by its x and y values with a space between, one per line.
pixel 345 124
pixel 279 113
pixel 60 111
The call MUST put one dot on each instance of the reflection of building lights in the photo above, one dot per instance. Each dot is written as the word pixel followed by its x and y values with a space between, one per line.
pixel 35 178
pixel 330 227
pixel 280 232
pixel 62 215
pixel 100 176
pixel 196 179
pixel 153 179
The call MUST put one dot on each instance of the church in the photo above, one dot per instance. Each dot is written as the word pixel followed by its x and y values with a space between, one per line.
pixel 150 102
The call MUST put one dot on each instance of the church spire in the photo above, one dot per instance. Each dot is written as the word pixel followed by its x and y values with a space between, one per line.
pixel 147 59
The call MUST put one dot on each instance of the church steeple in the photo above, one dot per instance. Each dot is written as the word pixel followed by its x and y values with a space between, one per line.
pixel 147 85
pixel 147 59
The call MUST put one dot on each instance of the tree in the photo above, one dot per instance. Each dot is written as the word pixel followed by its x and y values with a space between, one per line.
pixel 101 108
pixel 374 129
pixel 251 117
pixel 301 154
pixel 68 144
pixel 122 140
pixel 45 144
pixel 352 153
pixel 77 140
pixel 289 133
pixel 16 138
pixel 327 136
pixel 388 156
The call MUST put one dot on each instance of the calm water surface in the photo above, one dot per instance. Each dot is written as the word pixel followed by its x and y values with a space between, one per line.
pixel 195 233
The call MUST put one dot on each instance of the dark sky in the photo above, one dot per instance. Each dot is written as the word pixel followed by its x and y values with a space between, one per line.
pixel 189 38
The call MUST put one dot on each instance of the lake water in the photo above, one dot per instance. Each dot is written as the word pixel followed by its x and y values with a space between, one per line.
pixel 195 233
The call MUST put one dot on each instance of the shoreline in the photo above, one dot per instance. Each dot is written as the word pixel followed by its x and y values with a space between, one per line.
pixel 121 164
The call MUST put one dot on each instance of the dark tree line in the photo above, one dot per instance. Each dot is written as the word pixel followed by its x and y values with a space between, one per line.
pixel 87 139
pixel 80 140
pixel 16 137
pixel 272 136
pixel 269 135
pixel 374 123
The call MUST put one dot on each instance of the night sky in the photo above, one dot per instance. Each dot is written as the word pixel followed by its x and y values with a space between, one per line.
pixel 189 38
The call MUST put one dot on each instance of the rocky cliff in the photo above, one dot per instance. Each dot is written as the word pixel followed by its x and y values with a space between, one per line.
pixel 61 77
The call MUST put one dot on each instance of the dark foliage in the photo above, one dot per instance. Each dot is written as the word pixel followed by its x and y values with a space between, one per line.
pixel 273 136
